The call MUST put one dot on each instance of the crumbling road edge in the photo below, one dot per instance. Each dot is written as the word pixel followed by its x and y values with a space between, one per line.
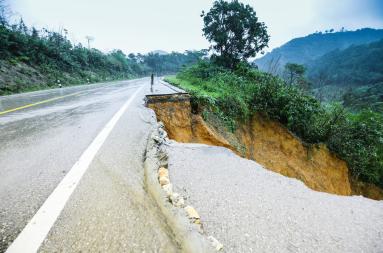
pixel 187 233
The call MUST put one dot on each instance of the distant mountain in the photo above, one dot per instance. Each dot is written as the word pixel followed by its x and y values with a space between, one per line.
pixel 159 52
pixel 306 49
pixel 353 75
pixel 357 65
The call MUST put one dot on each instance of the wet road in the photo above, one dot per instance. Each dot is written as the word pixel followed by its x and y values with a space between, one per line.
pixel 39 144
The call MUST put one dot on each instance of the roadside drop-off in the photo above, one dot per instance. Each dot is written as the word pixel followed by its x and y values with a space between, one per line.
pixel 265 141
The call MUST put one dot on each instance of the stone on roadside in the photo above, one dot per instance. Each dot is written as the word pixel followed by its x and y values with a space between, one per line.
pixel 168 188
pixel 216 244
pixel 174 197
pixel 157 139
pixel 192 213
pixel 180 202
pixel 163 172
pixel 164 181
pixel 177 200
pixel 164 135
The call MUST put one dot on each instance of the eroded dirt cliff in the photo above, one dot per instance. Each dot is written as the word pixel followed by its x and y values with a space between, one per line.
pixel 181 124
pixel 265 141
pixel 271 145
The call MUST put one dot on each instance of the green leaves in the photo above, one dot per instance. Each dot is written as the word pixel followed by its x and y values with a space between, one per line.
pixel 54 57
pixel 234 31
pixel 234 96
pixel 359 140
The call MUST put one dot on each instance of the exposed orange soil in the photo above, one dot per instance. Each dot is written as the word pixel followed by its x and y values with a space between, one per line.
pixel 266 142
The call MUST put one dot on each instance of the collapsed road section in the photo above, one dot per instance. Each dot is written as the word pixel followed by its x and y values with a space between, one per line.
pixel 250 208
pixel 264 141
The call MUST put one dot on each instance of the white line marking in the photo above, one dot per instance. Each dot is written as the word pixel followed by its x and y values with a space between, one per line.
pixel 33 235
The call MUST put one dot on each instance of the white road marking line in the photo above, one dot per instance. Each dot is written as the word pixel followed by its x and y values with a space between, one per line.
pixel 34 233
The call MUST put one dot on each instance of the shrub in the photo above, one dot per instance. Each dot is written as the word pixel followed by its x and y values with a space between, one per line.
pixel 234 96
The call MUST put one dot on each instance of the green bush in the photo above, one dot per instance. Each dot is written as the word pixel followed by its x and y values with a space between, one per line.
pixel 234 96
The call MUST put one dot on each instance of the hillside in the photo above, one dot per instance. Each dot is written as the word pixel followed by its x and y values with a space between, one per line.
pixel 356 73
pixel 305 49
pixel 234 98
pixel 32 59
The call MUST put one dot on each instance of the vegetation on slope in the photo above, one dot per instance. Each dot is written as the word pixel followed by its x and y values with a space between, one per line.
pixel 31 59
pixel 235 95
pixel 341 66
pixel 356 73
pixel 235 92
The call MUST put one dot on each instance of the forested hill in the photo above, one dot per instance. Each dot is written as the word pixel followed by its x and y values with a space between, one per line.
pixel 32 59
pixel 305 49
pixel 354 66
pixel 356 73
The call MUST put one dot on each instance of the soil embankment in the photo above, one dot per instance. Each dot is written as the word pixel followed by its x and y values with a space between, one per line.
pixel 265 141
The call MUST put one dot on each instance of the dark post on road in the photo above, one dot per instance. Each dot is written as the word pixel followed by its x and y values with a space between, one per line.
pixel 151 82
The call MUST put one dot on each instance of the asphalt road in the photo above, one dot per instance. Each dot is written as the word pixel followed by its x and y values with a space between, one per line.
pixel 40 143
pixel 251 209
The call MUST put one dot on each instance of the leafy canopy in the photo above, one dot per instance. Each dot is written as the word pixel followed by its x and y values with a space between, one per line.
pixel 235 32
pixel 294 73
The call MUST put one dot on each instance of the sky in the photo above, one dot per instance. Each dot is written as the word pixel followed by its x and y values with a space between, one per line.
pixel 141 26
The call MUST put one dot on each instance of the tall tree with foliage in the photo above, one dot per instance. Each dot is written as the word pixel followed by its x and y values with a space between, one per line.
pixel 3 12
pixel 235 31
pixel 294 72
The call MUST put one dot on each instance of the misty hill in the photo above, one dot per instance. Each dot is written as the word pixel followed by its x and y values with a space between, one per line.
pixel 306 49
pixel 354 66
pixel 356 73
pixel 160 52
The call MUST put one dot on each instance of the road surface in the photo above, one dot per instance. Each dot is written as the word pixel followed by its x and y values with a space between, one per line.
pixel 43 134
pixel 251 209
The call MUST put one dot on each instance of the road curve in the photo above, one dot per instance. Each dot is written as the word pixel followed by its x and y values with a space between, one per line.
pixel 43 134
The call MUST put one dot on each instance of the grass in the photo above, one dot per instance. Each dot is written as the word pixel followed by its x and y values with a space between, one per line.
pixel 235 96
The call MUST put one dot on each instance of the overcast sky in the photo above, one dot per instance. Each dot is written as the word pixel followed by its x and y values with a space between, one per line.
pixel 175 25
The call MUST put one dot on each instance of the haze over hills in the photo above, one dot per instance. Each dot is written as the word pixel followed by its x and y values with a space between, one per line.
pixel 160 52
pixel 306 49
pixel 355 74
pixel 343 66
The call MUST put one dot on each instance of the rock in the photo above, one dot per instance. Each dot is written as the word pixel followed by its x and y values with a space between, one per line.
pixel 192 213
pixel 162 158
pixel 163 175
pixel 163 172
pixel 174 197
pixel 157 139
pixel 168 188
pixel 180 202
pixel 164 181
pixel 216 244
pixel 177 200
pixel 161 131
pixel 164 134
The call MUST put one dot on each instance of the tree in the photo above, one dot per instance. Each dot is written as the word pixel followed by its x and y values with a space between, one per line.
pixel 235 32
pixel 89 39
pixel 294 72
pixel 4 11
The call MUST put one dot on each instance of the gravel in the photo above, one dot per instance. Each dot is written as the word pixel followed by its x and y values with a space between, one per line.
pixel 251 209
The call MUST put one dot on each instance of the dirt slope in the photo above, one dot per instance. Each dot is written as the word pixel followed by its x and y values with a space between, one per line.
pixel 264 141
